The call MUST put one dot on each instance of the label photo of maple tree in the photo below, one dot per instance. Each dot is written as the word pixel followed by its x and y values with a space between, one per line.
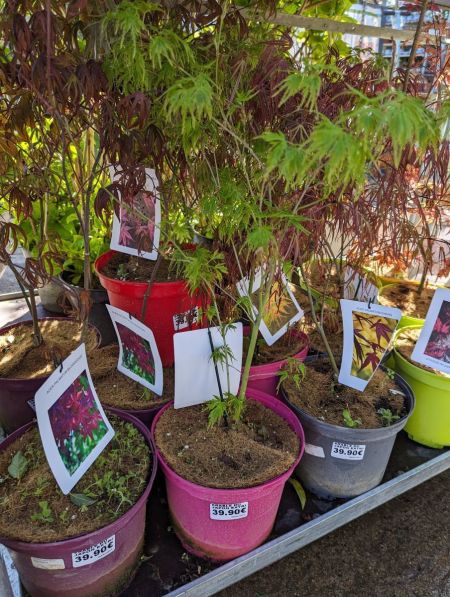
pixel 137 355
pixel 76 423
pixel 372 335
pixel 137 223
pixel 438 345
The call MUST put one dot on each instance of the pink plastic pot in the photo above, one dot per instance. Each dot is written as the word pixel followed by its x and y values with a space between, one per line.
pixel 16 394
pixel 265 377
pixel 165 301
pixel 192 506
pixel 55 569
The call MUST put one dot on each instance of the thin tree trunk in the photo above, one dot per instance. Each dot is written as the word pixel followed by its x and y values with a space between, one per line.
pixel 415 45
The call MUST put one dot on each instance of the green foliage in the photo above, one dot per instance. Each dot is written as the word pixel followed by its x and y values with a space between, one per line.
pixel 230 408
pixel 301 494
pixel 18 466
pixel 292 369
pixel 80 499
pixel 221 354
pixel 349 421
pixel 45 514
pixel 387 416
pixel 201 268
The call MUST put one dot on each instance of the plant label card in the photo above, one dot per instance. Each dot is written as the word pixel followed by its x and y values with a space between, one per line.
pixel 433 346
pixel 368 332
pixel 282 309
pixel 195 373
pixel 73 426
pixel 139 357
pixel 358 287
pixel 136 231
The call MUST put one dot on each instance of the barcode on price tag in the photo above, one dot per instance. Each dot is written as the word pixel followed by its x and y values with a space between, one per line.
pixel 94 553
pixel 348 451
pixel 228 511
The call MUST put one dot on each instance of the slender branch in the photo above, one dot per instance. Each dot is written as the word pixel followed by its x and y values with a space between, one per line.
pixel 415 45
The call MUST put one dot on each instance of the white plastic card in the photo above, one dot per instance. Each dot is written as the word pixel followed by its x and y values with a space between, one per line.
pixel 73 426
pixel 137 229
pixel 358 288
pixel 282 310
pixel 195 373
pixel 433 346
pixel 139 357
pixel 368 332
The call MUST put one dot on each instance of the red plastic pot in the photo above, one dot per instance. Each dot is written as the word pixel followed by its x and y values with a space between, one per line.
pixel 165 301
pixel 191 505
pixel 15 394
pixel 55 569
pixel 265 377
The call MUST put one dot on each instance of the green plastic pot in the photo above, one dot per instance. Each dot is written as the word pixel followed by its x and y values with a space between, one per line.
pixel 430 422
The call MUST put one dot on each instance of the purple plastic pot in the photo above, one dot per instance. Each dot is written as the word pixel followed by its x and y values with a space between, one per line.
pixel 265 377
pixel 16 394
pixel 146 415
pixel 55 569
pixel 193 506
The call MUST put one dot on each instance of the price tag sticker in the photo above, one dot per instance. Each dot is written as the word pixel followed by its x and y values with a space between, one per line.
pixel 348 451
pixel 93 553
pixel 228 511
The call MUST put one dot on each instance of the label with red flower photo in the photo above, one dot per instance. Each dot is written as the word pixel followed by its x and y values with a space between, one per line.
pixel 72 424
pixel 368 332
pixel 136 228
pixel 138 354
pixel 433 346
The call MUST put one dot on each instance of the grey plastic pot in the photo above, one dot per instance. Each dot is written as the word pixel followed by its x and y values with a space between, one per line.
pixel 340 462
pixel 65 568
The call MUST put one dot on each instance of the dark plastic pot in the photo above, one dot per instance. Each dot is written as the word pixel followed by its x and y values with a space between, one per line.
pixel 166 300
pixel 16 394
pixel 48 570
pixel 340 462
pixel 146 415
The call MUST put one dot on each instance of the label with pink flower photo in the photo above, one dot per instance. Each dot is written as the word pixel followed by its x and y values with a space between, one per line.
pixel 368 333
pixel 139 357
pixel 136 230
pixel 433 346
pixel 72 424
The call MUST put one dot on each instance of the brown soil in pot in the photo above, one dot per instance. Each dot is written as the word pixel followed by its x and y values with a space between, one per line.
pixel 405 344
pixel 261 447
pixel 137 269
pixel 406 298
pixel 287 346
pixel 122 467
pixel 117 390
pixel 317 398
pixel 21 360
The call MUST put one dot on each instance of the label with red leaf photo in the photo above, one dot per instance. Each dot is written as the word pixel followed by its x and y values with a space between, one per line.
pixel 368 331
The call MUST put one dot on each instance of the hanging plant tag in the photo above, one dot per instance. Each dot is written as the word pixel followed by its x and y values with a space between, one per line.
pixel 94 553
pixel 228 511
pixel 281 311
pixel 368 332
pixel 139 357
pixel 73 426
pixel 358 288
pixel 195 373
pixel 433 346
pixel 136 228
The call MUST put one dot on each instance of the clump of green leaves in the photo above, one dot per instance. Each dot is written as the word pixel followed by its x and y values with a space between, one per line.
pixel 387 416
pixel 230 407
pixel 44 515
pixel 293 369
pixel 349 421
pixel 18 466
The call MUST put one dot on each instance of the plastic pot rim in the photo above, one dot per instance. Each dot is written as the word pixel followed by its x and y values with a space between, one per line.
pixel 17 544
pixel 252 394
pixel 30 322
pixel 360 433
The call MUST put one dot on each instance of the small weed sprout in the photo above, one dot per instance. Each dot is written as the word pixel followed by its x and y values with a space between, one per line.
pixel 390 373
pixel 387 416
pixel 349 421
pixel 44 515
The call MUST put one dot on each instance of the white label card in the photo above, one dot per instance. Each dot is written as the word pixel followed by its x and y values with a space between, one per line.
pixel 95 552
pixel 314 451
pixel 48 564
pixel 348 451
pixel 228 511
pixel 181 321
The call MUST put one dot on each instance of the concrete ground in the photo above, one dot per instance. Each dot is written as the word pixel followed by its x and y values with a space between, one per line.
pixel 401 549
